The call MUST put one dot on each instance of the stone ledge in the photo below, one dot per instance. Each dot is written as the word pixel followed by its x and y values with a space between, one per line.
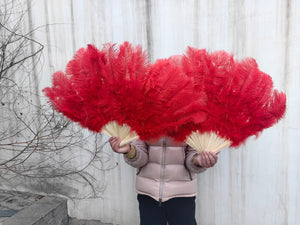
pixel 46 211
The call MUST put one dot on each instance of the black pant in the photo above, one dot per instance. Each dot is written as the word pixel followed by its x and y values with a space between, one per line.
pixel 176 211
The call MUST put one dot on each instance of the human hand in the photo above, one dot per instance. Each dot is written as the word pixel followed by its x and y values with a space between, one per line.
pixel 206 159
pixel 115 145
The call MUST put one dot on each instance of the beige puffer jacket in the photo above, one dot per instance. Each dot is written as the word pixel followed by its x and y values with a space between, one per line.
pixel 165 169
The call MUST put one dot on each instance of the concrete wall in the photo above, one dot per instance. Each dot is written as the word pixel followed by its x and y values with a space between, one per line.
pixel 257 183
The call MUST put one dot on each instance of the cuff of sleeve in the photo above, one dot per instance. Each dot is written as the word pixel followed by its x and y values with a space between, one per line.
pixel 132 153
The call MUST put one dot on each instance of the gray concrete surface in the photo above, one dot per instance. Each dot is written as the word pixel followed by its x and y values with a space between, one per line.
pixel 28 209
pixel 47 211
pixel 22 208
pixel 12 202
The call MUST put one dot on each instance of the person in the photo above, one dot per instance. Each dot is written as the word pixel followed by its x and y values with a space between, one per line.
pixel 166 178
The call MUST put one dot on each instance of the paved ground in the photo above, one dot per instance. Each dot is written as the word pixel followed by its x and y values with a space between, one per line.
pixel 12 202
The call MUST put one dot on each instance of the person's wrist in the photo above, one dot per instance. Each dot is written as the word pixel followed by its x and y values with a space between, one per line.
pixel 195 161
pixel 131 153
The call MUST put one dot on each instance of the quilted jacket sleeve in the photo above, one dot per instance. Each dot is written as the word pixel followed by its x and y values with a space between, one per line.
pixel 141 157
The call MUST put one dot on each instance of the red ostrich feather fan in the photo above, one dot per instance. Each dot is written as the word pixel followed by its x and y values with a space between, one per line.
pixel 171 100
pixel 241 101
pixel 130 67
pixel 97 88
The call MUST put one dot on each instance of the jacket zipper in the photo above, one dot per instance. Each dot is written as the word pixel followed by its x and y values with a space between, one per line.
pixel 162 171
